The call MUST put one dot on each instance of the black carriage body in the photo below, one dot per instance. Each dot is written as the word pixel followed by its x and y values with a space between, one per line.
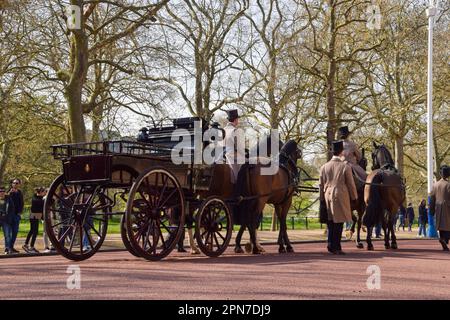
pixel 95 163
pixel 159 194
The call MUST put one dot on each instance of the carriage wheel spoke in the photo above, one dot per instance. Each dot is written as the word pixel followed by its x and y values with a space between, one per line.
pixel 217 241
pixel 72 239
pixel 93 228
pixel 170 196
pixel 60 223
pixel 163 190
pixel 223 238
pixel 64 235
pixel 81 240
pixel 89 238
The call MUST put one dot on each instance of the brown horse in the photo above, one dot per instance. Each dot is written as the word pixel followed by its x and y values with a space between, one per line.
pixel 258 189
pixel 383 194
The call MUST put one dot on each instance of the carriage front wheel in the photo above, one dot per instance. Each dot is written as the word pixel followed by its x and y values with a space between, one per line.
pixel 155 215
pixel 75 219
pixel 213 226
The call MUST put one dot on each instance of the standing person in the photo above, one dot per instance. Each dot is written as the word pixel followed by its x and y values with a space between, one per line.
pixel 47 243
pixel 440 206
pixel 410 215
pixel 401 216
pixel 337 190
pixel 423 218
pixel 37 210
pixel 7 213
pixel 17 197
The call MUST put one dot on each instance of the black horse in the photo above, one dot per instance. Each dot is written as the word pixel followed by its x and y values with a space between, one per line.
pixel 383 194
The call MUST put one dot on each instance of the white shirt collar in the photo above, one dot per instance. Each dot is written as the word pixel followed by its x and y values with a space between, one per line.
pixel 336 158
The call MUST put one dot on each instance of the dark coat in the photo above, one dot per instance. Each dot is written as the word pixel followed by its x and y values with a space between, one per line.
pixel 423 215
pixel 37 204
pixel 402 211
pixel 410 213
pixel 17 198
pixel 9 211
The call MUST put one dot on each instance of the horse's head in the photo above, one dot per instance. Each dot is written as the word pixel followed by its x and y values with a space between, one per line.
pixel 381 156
pixel 291 151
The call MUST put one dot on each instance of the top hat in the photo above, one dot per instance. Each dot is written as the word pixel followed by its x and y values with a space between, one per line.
pixel 232 115
pixel 343 132
pixel 445 171
pixel 337 146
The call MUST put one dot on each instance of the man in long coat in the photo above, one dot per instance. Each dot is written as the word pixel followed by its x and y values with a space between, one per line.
pixel 440 206
pixel 337 189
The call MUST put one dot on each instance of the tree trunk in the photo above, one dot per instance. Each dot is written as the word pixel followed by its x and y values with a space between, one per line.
pixel 4 154
pixel 399 154
pixel 76 119
pixel 97 116
pixel 79 57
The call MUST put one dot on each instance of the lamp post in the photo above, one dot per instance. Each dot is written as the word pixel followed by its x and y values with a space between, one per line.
pixel 431 13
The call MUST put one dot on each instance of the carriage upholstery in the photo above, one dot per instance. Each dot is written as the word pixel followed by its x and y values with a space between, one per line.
pixel 164 135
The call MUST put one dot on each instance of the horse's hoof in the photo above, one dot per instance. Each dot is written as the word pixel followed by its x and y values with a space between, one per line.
pixel 387 246
pixel 281 249
pixel 248 247
pixel 290 249
pixel 260 248
pixel 256 251
pixel 238 250
pixel 394 246
pixel 370 247
pixel 360 245
pixel 195 251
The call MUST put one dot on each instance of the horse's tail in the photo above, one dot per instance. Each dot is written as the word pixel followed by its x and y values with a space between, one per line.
pixel 374 210
pixel 247 207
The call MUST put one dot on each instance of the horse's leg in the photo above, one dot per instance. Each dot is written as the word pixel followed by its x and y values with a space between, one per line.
pixel 283 218
pixel 237 248
pixel 386 234
pixel 251 230
pixel 258 244
pixel 281 248
pixel 369 238
pixel 393 237
pixel 359 243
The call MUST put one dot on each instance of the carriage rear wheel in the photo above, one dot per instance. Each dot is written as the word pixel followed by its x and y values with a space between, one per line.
pixel 155 213
pixel 124 176
pixel 213 226
pixel 75 219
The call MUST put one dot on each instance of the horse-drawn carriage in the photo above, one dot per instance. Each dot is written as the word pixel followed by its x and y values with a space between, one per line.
pixel 138 180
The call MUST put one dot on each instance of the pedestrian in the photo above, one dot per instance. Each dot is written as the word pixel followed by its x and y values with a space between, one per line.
pixel 410 215
pixel 47 243
pixel 423 218
pixel 16 196
pixel 401 216
pixel 337 190
pixel 7 213
pixel 37 210
pixel 440 206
